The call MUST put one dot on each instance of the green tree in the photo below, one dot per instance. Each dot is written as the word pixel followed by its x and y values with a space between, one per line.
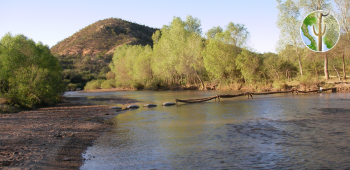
pixel 248 63
pixel 213 31
pixel 177 55
pixel 220 53
pixel 235 34
pixel 29 73
pixel 143 66
pixel 193 25
pixel 220 60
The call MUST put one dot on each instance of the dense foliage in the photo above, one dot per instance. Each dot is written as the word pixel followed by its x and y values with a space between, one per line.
pixel 29 73
pixel 182 57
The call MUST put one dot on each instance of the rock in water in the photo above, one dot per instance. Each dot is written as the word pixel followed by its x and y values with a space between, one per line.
pixel 168 104
pixel 150 105
pixel 132 107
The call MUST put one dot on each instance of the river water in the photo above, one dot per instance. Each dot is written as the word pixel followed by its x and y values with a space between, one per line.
pixel 280 131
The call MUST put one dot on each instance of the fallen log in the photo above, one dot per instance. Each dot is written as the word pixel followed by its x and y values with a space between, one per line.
pixel 230 95
pixel 275 92
pixel 196 100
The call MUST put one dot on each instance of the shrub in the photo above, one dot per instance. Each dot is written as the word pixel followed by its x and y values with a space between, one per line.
pixel 108 84
pixel 93 85
pixel 31 75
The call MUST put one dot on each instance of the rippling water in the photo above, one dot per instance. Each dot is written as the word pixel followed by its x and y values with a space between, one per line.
pixel 282 131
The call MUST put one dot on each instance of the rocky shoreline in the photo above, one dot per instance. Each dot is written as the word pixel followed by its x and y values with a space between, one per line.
pixel 52 137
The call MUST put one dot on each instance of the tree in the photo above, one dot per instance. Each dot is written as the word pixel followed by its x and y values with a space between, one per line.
pixel 29 73
pixel 193 25
pixel 248 63
pixel 271 63
pixel 126 63
pixel 342 48
pixel 178 51
pixel 143 66
pixel 220 53
pixel 289 24
pixel 314 5
pixel 343 7
pixel 213 31
pixel 220 60
pixel 235 34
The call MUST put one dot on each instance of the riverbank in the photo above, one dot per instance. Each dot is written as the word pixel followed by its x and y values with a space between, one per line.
pixel 109 90
pixel 341 86
pixel 52 137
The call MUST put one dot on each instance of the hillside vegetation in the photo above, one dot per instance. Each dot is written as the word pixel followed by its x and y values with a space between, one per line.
pixel 85 55
pixel 103 37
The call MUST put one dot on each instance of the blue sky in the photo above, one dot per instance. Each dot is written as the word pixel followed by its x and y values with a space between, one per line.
pixel 53 21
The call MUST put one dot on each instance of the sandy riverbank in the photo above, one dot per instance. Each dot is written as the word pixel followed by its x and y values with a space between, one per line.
pixel 52 137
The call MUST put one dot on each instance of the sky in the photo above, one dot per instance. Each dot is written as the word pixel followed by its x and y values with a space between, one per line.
pixel 53 21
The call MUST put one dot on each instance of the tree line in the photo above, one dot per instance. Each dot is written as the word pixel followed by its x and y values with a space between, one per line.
pixel 181 56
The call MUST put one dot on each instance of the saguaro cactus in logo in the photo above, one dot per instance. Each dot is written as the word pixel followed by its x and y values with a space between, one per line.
pixel 325 30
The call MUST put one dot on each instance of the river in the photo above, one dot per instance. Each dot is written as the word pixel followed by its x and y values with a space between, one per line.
pixel 279 131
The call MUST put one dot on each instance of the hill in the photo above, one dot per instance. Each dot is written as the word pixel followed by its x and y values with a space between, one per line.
pixel 85 55
pixel 103 37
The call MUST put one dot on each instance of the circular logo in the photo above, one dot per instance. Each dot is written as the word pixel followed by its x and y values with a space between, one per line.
pixel 320 31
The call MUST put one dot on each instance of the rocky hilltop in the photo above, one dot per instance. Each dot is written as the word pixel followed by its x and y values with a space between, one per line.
pixel 103 37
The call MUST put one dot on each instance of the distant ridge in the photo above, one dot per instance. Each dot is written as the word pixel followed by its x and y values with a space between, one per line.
pixel 103 37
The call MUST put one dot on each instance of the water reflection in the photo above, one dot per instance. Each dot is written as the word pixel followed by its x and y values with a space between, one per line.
pixel 267 132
